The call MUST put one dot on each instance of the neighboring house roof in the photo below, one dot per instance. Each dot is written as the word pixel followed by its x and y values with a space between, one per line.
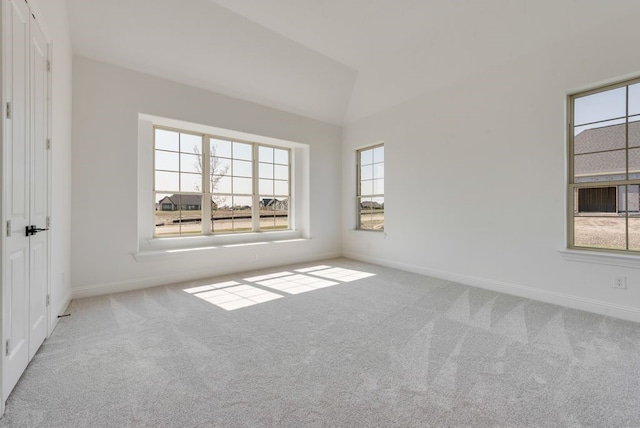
pixel 269 201
pixel 182 200
pixel 370 204
pixel 274 203
pixel 591 146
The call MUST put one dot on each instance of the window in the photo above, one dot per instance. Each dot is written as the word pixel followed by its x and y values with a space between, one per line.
pixel 235 186
pixel 370 188
pixel 604 168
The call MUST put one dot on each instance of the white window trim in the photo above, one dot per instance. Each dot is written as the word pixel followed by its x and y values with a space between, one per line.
pixel 206 192
pixel 299 209
pixel 599 257
pixel 572 252
pixel 357 227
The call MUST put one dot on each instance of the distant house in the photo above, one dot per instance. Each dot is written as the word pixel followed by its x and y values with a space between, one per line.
pixel 182 202
pixel 274 204
pixel 371 205
pixel 599 156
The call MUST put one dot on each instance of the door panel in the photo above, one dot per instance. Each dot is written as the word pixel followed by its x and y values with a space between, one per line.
pixel 18 17
pixel 16 188
pixel 37 294
pixel 18 330
pixel 38 190
pixel 39 127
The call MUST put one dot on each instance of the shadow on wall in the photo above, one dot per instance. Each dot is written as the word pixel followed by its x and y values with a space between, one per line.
pixel 231 295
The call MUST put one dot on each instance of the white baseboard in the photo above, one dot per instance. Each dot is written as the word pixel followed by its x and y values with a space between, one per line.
pixel 575 302
pixel 153 281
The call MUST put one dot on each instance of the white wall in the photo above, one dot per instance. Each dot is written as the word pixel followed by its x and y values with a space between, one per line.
pixel 475 177
pixel 54 15
pixel 106 104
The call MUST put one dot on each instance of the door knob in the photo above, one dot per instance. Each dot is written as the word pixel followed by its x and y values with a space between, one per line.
pixel 32 230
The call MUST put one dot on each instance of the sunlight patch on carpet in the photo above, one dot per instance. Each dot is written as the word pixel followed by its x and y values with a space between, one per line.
pixel 231 295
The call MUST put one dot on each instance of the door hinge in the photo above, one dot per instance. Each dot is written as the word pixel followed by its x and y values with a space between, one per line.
pixel 8 347
pixel 48 65
pixel 8 228
pixel 48 222
pixel 8 109
pixel 48 299
pixel 48 143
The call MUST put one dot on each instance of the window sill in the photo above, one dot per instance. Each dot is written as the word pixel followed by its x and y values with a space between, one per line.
pixel 369 234
pixel 161 248
pixel 598 257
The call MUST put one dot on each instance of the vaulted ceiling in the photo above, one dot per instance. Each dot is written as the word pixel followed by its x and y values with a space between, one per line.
pixel 332 60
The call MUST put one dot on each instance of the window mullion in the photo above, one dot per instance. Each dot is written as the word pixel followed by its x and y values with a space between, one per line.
pixel 255 200
pixel 626 215
pixel 179 183
pixel 358 187
pixel 206 185
pixel 628 175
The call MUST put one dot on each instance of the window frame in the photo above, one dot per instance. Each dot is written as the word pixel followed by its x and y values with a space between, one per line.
pixel 179 193
pixel 206 209
pixel 359 196
pixel 574 186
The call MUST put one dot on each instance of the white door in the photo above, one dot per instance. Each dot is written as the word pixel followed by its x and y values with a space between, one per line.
pixel 38 201
pixel 16 197
pixel 25 190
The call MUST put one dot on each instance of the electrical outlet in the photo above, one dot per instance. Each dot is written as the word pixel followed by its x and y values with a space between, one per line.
pixel 620 282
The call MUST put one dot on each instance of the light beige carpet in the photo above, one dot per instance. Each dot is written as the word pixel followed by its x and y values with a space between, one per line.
pixel 333 343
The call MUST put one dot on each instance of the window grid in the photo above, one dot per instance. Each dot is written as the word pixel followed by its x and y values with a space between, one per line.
pixel 236 206
pixel 370 188
pixel 233 198
pixel 604 168
pixel 274 187
pixel 177 180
